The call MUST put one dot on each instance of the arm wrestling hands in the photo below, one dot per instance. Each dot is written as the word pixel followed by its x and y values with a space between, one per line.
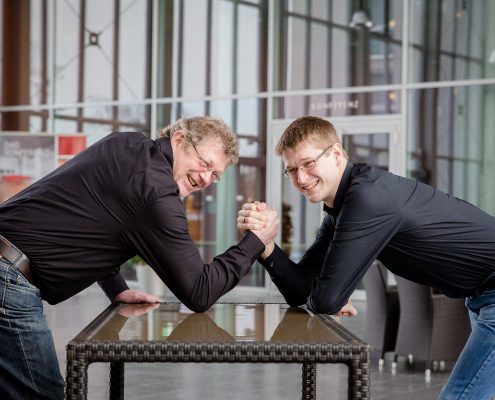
pixel 262 220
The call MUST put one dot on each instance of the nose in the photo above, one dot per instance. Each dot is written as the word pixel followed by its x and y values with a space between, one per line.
pixel 206 178
pixel 301 176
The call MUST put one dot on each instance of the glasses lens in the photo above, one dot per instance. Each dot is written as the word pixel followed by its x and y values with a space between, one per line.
pixel 308 165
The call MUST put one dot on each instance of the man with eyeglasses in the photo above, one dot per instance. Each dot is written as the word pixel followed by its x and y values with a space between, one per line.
pixel 119 198
pixel 416 231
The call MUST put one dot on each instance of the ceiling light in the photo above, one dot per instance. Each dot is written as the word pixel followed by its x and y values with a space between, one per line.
pixel 360 18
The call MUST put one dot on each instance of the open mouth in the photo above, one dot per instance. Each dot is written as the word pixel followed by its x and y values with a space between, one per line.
pixel 192 181
pixel 311 186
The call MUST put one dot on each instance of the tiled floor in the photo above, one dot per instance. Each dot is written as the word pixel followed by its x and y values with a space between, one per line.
pixel 230 381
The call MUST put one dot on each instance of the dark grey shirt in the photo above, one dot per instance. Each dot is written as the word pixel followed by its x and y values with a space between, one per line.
pixel 114 200
pixel 416 231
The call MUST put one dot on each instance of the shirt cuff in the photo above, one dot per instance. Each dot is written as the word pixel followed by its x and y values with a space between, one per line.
pixel 252 245
pixel 270 263
pixel 113 285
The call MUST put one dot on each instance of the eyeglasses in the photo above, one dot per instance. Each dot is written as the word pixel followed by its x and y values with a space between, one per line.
pixel 215 177
pixel 305 166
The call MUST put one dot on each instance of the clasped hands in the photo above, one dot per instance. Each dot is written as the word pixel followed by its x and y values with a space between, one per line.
pixel 263 221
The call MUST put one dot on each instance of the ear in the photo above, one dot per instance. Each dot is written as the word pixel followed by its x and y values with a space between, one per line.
pixel 177 139
pixel 338 152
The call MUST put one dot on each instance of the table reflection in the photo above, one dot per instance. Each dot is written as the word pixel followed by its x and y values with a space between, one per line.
pixel 222 323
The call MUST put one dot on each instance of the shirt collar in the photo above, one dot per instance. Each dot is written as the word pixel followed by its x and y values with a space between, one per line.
pixel 345 181
pixel 165 148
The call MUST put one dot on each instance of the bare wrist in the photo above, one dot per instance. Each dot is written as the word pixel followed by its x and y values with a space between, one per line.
pixel 268 250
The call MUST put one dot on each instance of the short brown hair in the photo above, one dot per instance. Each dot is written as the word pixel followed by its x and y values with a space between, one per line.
pixel 198 129
pixel 306 129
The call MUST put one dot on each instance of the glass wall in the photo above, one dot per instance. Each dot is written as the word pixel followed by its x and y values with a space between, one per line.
pixel 452 146
pixel 90 67
pixel 328 44
pixel 451 40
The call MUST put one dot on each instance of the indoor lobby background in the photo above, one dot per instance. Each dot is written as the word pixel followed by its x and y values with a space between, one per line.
pixel 410 86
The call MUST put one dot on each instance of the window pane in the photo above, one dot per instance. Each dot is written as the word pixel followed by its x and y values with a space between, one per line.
pixel 452 147
pixel 251 54
pixel 37 88
pixel 342 50
pixel 97 122
pixel 67 17
pixel 193 47
pixel 115 53
pixel 222 51
pixel 24 121
pixel 451 40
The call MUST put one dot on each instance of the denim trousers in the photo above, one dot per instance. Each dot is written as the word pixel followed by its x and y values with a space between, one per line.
pixel 473 376
pixel 28 362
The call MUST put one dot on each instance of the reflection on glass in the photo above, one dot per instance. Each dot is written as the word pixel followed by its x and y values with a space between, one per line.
pixel 222 323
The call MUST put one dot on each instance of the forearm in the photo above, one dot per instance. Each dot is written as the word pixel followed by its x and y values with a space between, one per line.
pixel 291 280
pixel 113 284
pixel 199 285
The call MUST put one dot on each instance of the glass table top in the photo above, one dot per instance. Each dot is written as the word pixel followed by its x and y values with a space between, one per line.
pixel 221 323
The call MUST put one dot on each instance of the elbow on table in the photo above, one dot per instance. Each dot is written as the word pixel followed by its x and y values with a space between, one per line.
pixel 326 304
pixel 295 301
pixel 198 306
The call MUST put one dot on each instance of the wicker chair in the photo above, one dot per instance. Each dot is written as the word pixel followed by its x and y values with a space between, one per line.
pixel 382 312
pixel 432 327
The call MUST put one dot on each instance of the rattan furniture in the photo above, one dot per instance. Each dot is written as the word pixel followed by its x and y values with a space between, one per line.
pixel 432 327
pixel 172 333
pixel 382 312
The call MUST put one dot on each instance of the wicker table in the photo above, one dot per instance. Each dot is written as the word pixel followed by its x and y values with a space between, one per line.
pixel 241 333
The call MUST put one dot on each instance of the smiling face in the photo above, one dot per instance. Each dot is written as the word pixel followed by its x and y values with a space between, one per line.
pixel 321 182
pixel 196 169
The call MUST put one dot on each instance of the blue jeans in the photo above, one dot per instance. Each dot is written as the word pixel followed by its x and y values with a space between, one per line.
pixel 473 376
pixel 28 362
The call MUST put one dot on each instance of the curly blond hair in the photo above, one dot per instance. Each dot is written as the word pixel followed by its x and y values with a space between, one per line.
pixel 198 129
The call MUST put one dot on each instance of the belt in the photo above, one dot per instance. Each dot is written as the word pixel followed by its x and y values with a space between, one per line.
pixel 13 254
pixel 488 285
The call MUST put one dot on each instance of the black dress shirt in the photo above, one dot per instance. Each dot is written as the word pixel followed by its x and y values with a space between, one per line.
pixel 416 231
pixel 116 199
